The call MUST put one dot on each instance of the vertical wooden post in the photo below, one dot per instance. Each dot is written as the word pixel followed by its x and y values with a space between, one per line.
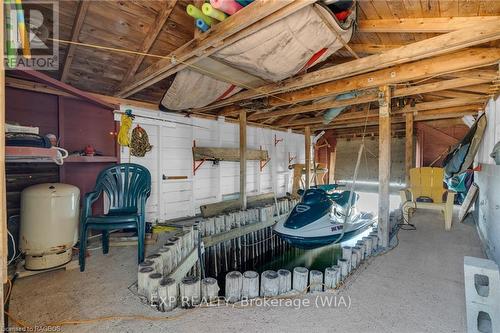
pixel 331 166
pixel 243 159
pixel 307 134
pixel 3 200
pixel 384 164
pixel 409 146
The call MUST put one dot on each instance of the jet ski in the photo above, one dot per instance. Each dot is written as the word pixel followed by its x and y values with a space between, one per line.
pixel 320 217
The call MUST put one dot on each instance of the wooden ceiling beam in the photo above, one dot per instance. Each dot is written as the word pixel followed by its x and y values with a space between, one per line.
pixel 403 73
pixel 371 97
pixel 440 107
pixel 445 103
pixel 454 94
pixel 397 119
pixel 484 89
pixel 373 48
pixel 252 18
pixel 81 12
pixel 488 74
pixel 423 25
pixel 150 37
pixel 430 47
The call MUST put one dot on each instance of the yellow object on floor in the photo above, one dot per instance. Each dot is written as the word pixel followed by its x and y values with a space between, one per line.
pixel 163 228
pixel 427 182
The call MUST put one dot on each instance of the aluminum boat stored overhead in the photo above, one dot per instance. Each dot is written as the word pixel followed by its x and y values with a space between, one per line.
pixel 320 218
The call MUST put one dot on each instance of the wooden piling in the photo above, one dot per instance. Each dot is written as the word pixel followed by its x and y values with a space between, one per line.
pixel 330 278
pixel 361 244
pixel 190 292
pixel 234 284
pixel 209 289
pixel 269 284
pixel 142 279
pixel 344 268
pixel 152 284
pixel 354 261
pixel 300 276
pixel 250 286
pixel 157 262
pixel 166 259
pixel 167 294
pixel 357 251
pixel 315 281
pixel 285 281
pixel 347 254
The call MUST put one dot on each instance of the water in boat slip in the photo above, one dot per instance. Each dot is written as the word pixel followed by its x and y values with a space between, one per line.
pixel 319 258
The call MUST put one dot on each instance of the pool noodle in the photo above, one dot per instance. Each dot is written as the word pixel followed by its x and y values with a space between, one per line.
pixel 210 11
pixel 244 3
pixel 227 6
pixel 197 14
pixel 23 33
pixel 202 25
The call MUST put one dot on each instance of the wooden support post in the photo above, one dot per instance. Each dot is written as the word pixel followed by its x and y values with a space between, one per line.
pixel 307 134
pixel 3 200
pixel 384 164
pixel 409 146
pixel 243 159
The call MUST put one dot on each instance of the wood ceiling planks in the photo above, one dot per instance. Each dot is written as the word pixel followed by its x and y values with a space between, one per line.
pixel 117 24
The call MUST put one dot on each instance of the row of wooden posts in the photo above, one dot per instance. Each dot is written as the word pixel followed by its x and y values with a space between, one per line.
pixel 165 293
pixel 225 250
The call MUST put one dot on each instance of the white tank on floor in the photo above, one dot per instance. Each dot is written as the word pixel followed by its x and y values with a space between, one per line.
pixel 49 224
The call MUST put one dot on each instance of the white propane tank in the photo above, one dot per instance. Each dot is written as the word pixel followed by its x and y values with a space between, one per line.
pixel 49 224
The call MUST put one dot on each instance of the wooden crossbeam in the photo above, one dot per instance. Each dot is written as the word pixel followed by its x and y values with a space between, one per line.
pixel 445 103
pixel 83 7
pixel 488 74
pixel 371 97
pixel 151 36
pixel 434 46
pixel 397 119
pixel 373 48
pixel 423 25
pixel 252 18
pixel 403 73
pixel 429 108
pixel 39 76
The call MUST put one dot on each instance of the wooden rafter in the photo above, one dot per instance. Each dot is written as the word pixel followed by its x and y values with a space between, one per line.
pixel 435 46
pixel 423 25
pixel 258 15
pixel 83 7
pixel 151 36
pixel 66 88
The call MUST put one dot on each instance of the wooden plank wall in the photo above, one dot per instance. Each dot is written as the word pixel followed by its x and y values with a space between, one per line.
pixel 172 156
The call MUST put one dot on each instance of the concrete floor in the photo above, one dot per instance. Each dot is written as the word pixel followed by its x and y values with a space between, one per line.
pixel 417 287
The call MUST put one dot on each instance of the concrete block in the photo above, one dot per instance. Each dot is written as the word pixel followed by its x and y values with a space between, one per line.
pixel 481 318
pixel 482 281
pixel 482 295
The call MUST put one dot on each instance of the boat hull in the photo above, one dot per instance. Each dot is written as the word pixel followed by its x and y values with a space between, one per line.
pixel 321 232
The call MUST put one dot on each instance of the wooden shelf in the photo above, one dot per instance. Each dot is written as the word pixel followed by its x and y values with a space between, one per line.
pixel 30 154
pixel 91 159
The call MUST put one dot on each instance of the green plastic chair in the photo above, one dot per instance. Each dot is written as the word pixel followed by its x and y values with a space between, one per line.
pixel 127 187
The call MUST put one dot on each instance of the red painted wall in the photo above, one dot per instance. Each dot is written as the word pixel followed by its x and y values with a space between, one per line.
pixel 76 123
pixel 433 146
